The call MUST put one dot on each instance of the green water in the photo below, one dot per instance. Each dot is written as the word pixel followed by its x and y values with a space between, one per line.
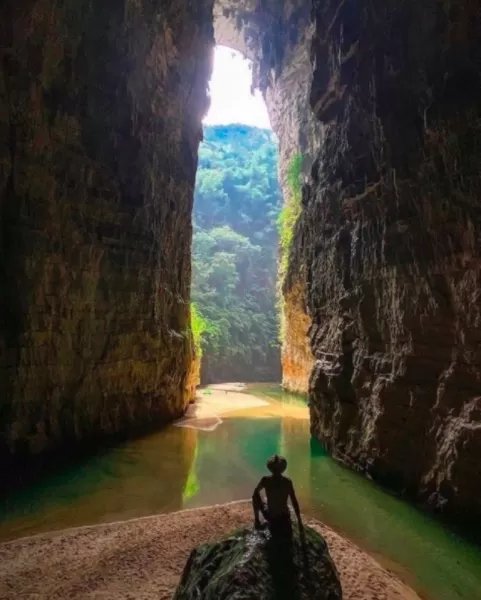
pixel 184 468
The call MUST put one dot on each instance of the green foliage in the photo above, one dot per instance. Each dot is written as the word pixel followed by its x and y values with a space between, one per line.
pixel 286 223
pixel 237 203
pixel 290 212
pixel 200 326
pixel 294 172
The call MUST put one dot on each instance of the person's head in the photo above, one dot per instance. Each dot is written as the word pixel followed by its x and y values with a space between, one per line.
pixel 277 464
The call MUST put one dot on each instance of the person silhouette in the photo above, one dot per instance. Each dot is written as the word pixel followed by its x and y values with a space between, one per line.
pixel 278 489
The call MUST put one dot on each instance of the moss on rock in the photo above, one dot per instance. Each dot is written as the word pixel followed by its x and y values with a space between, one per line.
pixel 252 565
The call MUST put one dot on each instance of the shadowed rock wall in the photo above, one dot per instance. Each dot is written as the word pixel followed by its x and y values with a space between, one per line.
pixel 100 105
pixel 391 238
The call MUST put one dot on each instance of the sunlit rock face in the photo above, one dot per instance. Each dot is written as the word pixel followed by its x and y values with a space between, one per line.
pixel 297 359
pixel 390 236
pixel 100 108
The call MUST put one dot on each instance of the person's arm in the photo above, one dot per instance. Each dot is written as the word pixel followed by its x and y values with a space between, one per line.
pixel 295 503
pixel 257 503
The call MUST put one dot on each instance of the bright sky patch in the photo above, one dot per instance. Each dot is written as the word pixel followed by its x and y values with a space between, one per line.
pixel 231 98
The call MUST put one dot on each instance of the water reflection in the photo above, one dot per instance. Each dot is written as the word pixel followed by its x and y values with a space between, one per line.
pixel 229 463
pixel 182 468
pixel 139 478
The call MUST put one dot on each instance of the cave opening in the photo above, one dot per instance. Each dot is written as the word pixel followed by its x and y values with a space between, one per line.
pixel 237 204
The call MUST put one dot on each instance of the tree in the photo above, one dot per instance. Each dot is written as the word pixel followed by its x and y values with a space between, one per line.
pixel 237 203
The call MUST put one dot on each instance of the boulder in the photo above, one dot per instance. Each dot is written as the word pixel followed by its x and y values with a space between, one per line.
pixel 253 565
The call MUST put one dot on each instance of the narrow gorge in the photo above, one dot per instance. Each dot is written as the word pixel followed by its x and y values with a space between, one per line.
pixel 101 111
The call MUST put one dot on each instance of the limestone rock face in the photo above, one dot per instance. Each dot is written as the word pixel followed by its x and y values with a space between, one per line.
pixel 390 235
pixel 297 359
pixel 248 565
pixel 100 108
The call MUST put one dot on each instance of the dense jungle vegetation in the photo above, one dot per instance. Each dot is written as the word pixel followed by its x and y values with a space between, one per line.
pixel 237 206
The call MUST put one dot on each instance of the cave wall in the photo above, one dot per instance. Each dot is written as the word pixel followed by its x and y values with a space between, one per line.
pixel 297 358
pixel 390 235
pixel 101 107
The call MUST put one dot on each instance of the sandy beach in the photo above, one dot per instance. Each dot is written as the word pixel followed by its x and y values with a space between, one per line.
pixel 142 559
pixel 223 400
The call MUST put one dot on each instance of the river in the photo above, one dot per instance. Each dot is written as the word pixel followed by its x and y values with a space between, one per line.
pixel 214 458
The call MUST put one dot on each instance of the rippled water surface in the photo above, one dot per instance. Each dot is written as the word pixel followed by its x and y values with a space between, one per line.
pixel 186 467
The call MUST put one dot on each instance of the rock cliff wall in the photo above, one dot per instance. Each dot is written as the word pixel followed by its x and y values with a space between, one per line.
pixel 100 105
pixel 390 235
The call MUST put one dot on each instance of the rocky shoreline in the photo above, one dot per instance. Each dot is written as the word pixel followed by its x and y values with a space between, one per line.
pixel 143 559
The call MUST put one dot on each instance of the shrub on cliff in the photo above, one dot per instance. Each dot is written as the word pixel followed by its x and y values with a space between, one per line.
pixel 290 212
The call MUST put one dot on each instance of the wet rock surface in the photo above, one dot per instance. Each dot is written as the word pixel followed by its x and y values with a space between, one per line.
pixel 390 236
pixel 251 565
pixel 101 107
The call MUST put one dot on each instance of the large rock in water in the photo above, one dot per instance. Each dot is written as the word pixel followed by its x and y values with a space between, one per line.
pixel 251 565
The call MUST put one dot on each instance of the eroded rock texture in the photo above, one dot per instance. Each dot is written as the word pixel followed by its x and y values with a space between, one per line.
pixel 391 238
pixel 100 105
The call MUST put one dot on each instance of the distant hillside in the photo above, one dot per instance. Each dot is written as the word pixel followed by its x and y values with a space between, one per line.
pixel 237 203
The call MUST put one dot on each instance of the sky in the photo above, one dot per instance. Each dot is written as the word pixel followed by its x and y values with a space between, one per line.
pixel 230 91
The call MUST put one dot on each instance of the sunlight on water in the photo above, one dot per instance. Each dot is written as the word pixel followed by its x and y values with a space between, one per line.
pixel 185 468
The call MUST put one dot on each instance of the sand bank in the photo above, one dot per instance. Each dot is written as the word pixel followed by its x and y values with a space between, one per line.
pixel 143 559
pixel 219 401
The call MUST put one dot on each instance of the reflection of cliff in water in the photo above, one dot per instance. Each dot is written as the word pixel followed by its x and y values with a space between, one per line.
pixel 295 447
pixel 139 478
pixel 235 472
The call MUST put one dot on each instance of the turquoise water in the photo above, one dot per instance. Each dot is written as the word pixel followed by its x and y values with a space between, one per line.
pixel 184 468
